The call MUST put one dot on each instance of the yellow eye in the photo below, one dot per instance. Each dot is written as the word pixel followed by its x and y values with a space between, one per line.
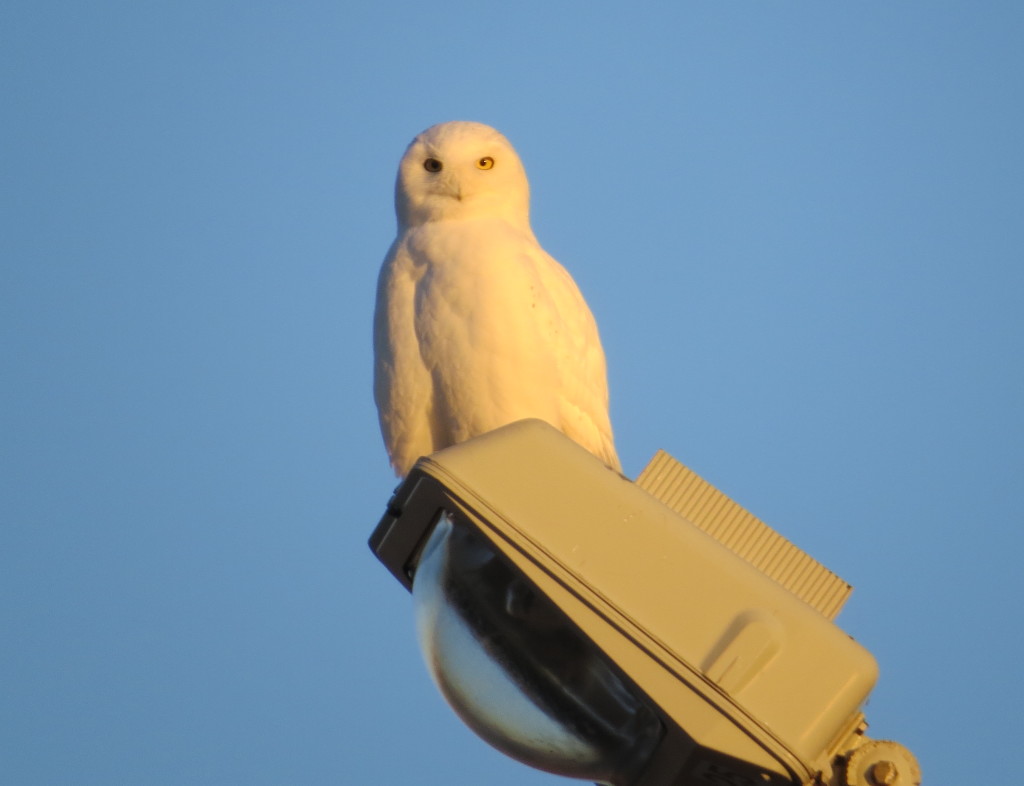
pixel 485 163
pixel 433 165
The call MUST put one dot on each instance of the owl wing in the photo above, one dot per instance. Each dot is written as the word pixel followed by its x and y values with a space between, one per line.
pixel 402 385
pixel 583 380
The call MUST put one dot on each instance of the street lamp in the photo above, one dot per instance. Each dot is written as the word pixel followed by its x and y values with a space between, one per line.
pixel 633 634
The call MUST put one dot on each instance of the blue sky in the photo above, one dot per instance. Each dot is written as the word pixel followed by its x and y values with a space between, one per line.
pixel 798 224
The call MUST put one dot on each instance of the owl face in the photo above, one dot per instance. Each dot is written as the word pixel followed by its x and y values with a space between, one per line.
pixel 457 171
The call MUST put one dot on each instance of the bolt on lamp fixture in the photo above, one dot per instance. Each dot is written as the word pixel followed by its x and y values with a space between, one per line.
pixel 632 634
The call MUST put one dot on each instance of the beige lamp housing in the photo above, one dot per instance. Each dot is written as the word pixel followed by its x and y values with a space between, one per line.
pixel 663 620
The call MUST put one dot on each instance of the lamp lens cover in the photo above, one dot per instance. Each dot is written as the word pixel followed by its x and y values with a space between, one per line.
pixel 517 670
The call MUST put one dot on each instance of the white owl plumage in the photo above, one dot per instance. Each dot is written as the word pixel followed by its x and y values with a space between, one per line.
pixel 476 326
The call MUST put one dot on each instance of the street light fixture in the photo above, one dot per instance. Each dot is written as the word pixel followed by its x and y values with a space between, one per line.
pixel 633 634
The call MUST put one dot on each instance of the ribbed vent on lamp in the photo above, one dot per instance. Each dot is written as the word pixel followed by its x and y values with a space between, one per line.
pixel 744 534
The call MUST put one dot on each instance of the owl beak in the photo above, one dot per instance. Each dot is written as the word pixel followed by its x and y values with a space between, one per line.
pixel 449 188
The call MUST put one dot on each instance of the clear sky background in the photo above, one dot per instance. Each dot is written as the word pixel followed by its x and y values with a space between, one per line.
pixel 800 226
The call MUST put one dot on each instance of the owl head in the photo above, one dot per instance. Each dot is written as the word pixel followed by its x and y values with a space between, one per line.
pixel 461 170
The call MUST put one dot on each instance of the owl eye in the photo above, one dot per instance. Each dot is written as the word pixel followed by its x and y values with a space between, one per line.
pixel 433 165
pixel 485 163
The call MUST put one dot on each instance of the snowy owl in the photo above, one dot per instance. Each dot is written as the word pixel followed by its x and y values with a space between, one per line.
pixel 476 326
